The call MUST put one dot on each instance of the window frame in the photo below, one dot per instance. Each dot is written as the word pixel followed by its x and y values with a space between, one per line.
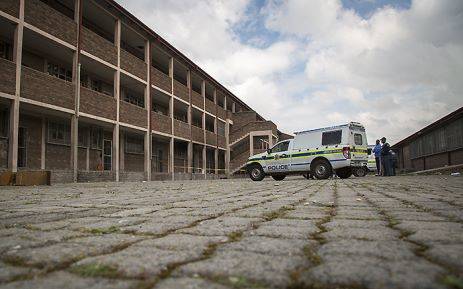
pixel 332 132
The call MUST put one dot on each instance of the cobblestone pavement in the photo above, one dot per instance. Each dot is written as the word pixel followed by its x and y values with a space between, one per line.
pixel 398 232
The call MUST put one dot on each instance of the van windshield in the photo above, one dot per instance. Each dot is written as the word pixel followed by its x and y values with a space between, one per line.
pixel 331 137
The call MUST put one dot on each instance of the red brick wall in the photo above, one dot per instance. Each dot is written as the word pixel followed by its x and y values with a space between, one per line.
pixel 160 122
pixel 181 91
pixel 197 99
pixel 221 113
pixel 161 80
pixel 456 157
pixel 133 114
pixel 133 64
pixel 98 104
pixel 50 20
pixel 82 159
pixel 210 106
pixel 98 46
pixel 58 157
pixel 10 7
pixel 33 127
pixel 94 159
pixel 181 129
pixel 42 87
pixel 242 118
pixel 7 76
pixel 197 134
pixel 134 162
pixel 221 141
pixel 211 138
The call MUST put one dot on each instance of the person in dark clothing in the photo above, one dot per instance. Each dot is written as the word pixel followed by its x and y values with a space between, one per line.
pixel 386 158
pixel 377 151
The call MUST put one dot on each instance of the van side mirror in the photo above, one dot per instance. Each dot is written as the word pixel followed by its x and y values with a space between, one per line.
pixel 369 151
pixel 269 151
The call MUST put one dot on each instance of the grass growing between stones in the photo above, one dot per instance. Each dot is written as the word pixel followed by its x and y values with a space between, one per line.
pixel 102 231
pixel 453 282
pixel 95 270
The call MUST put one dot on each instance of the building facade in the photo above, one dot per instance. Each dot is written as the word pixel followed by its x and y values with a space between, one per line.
pixel 438 145
pixel 90 93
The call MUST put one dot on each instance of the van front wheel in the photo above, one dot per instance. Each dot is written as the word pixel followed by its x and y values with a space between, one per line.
pixel 321 170
pixel 344 173
pixel 256 173
pixel 278 177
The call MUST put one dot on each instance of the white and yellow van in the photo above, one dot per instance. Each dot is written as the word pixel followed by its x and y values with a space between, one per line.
pixel 319 152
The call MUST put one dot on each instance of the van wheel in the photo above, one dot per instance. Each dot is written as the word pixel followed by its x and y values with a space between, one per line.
pixel 256 173
pixel 344 173
pixel 360 172
pixel 321 170
pixel 279 177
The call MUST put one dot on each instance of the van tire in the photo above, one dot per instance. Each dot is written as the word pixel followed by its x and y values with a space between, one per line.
pixel 344 173
pixel 360 172
pixel 279 177
pixel 321 169
pixel 256 173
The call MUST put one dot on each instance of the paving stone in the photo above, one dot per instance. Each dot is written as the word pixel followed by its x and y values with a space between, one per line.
pixel 269 246
pixel 182 242
pixel 188 283
pixel 379 233
pixel 221 226
pixel 59 280
pixel 273 271
pixel 9 273
pixel 450 254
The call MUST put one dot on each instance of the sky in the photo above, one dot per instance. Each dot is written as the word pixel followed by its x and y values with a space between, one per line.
pixel 393 65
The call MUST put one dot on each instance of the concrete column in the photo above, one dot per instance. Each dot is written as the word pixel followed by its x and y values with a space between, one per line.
pixel 87 164
pixel 74 143
pixel 148 147
pixel 251 144
pixel 270 139
pixel 204 161
pixel 171 157
pixel 216 161
pixel 227 145
pixel 122 137
pixel 171 73
pixel 190 157
pixel 117 90
pixel 43 145
pixel 14 106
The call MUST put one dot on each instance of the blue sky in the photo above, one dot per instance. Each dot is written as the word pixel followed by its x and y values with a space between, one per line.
pixel 393 65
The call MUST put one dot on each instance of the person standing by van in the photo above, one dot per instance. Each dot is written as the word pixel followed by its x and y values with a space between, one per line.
pixel 377 152
pixel 386 157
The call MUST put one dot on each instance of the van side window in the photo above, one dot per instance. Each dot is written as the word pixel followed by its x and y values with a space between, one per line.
pixel 281 147
pixel 358 140
pixel 331 137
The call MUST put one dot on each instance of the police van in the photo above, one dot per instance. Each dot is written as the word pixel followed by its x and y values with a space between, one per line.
pixel 319 153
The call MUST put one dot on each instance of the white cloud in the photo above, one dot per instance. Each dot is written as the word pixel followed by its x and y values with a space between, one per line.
pixel 395 71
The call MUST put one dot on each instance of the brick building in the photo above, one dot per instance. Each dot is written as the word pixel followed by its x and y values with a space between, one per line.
pixel 90 93
pixel 439 144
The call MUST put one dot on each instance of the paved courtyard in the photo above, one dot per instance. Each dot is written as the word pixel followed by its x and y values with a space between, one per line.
pixel 398 232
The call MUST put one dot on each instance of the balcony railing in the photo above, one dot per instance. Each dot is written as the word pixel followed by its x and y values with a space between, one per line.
pixel 221 113
pixel 45 88
pixel 210 106
pixel 161 123
pixel 161 80
pixel 197 99
pixel 10 7
pixel 7 76
pixel 99 46
pixel 211 138
pixel 197 134
pixel 50 20
pixel 181 90
pixel 133 64
pixel 133 114
pixel 181 129
pixel 96 103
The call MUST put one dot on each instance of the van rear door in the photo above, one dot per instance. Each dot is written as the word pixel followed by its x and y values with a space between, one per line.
pixel 359 144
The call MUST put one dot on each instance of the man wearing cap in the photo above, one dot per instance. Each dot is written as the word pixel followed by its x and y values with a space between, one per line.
pixel 377 151
pixel 386 158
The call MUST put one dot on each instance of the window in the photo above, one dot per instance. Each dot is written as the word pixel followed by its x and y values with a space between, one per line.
pixel 331 137
pixel 358 140
pixel 60 72
pixel 58 133
pixel 220 128
pixel 132 98
pixel 134 145
pixel 22 152
pixel 281 147
pixel 84 80
pixel 95 85
pixel 3 123
pixel 82 138
pixel 5 50
pixel 96 136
